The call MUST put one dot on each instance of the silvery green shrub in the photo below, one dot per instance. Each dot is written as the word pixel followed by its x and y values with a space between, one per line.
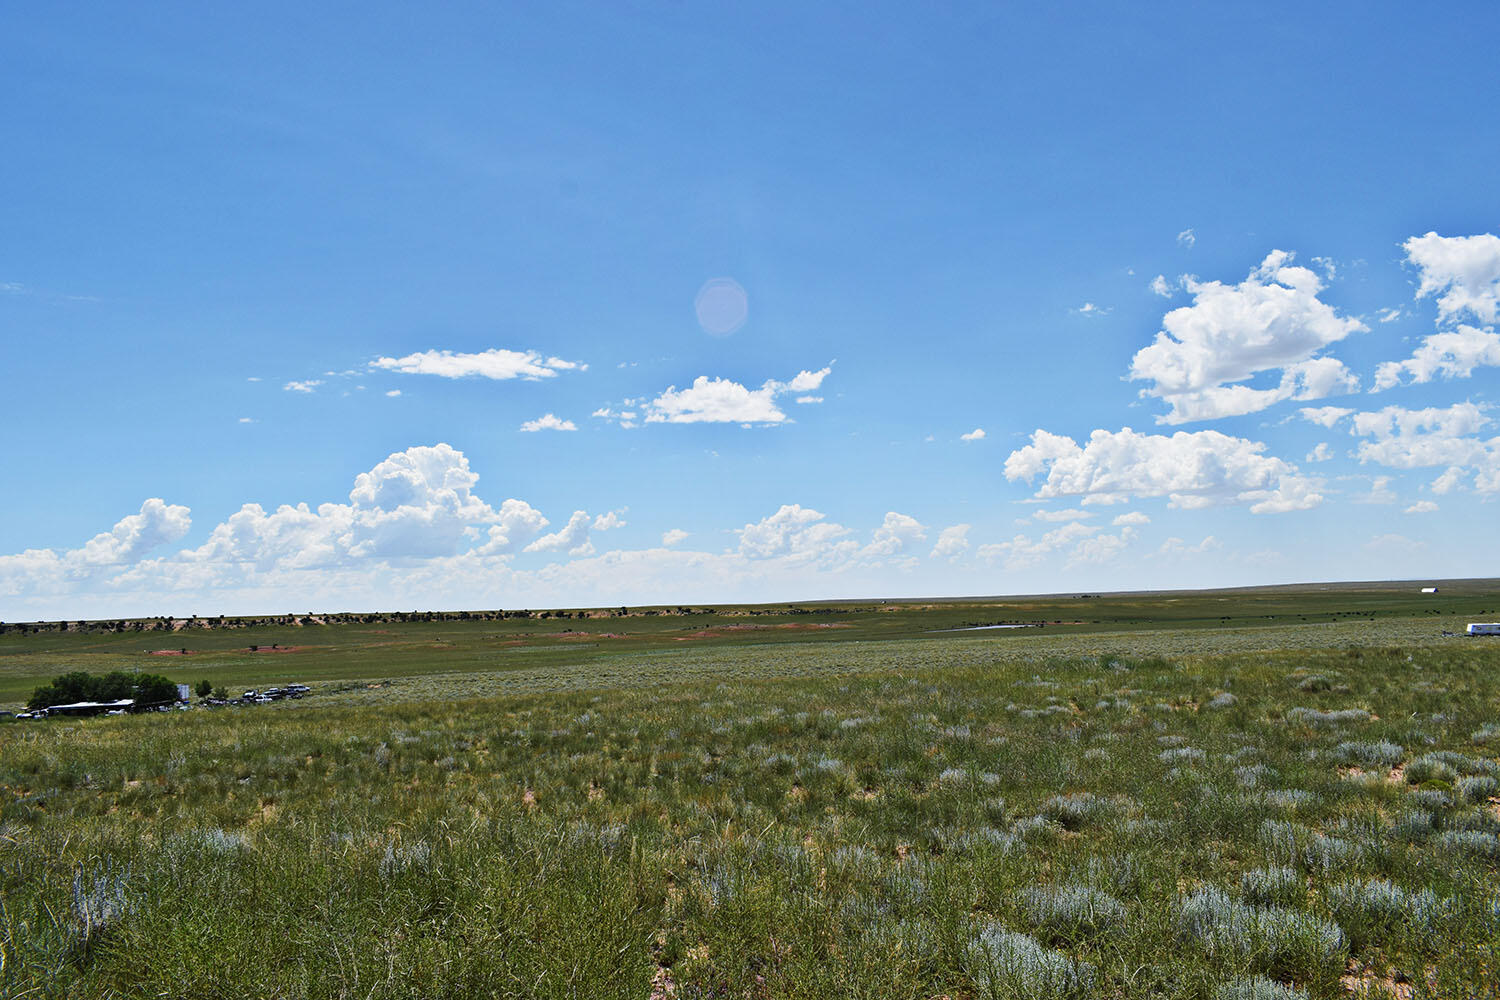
pixel 1412 824
pixel 1314 717
pixel 1430 799
pixel 1257 988
pixel 1277 886
pixel 1076 809
pixel 1219 702
pixel 1009 966
pixel 1290 798
pixel 1374 910
pixel 1381 754
pixel 1477 788
pixel 99 898
pixel 1429 767
pixel 1072 909
pixel 1275 939
pixel 1470 842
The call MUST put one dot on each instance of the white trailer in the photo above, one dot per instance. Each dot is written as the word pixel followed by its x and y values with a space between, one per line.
pixel 1484 628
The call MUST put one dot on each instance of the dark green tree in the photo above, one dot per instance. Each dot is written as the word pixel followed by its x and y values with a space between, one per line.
pixel 205 688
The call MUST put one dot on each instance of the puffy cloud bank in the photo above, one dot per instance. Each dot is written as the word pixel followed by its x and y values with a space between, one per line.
pixel 1199 469
pixel 1272 321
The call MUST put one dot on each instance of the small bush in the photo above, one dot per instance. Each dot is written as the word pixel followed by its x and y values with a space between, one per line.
pixel 1429 767
pixel 1219 702
pixel 1009 966
pixel 1373 912
pixel 1470 842
pixel 99 899
pixel 1327 720
pixel 1072 911
pixel 1380 754
pixel 1477 789
pixel 1273 886
pixel 1276 940
pixel 1290 798
pixel 1076 810
pixel 1257 988
pixel 1430 799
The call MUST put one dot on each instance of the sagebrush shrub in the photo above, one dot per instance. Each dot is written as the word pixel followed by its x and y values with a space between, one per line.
pixel 1072 910
pixel 1009 966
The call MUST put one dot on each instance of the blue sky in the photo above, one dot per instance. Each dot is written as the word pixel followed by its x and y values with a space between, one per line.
pixel 753 273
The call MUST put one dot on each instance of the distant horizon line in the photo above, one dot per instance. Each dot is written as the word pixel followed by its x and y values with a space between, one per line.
pixel 718 606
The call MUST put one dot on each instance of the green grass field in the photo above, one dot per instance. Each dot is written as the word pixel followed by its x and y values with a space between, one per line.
pixel 1271 794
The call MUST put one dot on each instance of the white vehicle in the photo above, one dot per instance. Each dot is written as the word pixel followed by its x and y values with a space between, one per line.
pixel 1483 628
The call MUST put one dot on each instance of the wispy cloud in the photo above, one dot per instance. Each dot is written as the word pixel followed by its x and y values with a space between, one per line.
pixel 496 363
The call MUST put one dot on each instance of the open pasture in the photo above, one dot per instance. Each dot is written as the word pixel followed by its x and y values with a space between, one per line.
pixel 1189 812
pixel 303 648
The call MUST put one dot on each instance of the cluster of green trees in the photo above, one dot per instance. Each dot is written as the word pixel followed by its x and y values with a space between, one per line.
pixel 80 685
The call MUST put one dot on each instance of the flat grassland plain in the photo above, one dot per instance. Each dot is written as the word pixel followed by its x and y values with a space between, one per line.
pixel 1266 793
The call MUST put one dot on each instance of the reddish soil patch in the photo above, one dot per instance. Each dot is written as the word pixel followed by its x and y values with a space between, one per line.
pixel 719 630
pixel 277 649
pixel 170 652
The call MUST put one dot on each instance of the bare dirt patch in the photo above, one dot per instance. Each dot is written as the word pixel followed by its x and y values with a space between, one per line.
pixel 169 652
pixel 276 649
pixel 720 630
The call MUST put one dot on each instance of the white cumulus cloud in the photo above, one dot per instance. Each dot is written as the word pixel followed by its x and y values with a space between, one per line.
pixel 1193 470
pixel 1421 507
pixel 721 400
pixel 1271 321
pixel 797 533
pixel 673 536
pixel 495 363
pixel 1462 271
pixel 952 542
pixel 895 534
pixel 572 538
pixel 1449 353
pixel 1324 416
pixel 1436 436
pixel 548 422
pixel 977 434
pixel 307 386
pixel 1135 519
pixel 1072 514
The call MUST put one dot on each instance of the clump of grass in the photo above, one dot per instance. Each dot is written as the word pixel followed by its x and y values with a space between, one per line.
pixel 1009 966
pixel 100 902
pixel 1474 843
pixel 1372 912
pixel 1429 767
pixel 1314 683
pixel 1476 788
pixel 1412 824
pixel 1276 940
pixel 1432 799
pixel 1072 911
pixel 1257 988
pixel 1487 733
pixel 1290 798
pixel 1381 754
pixel 404 858
pixel 1221 701
pixel 1326 854
pixel 1250 775
pixel 1182 755
pixel 1327 720
pixel 1278 886
pixel 1075 810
